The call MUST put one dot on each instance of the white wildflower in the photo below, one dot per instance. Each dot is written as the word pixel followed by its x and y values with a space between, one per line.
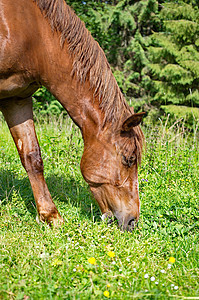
pixel 134 270
pixel 169 266
pixel 163 271
pixel 44 255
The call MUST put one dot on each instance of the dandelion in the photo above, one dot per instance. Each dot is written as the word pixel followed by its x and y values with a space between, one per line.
pixel 111 254
pixel 172 260
pixel 152 278
pixel 108 285
pixel 106 294
pixel 146 275
pixel 92 261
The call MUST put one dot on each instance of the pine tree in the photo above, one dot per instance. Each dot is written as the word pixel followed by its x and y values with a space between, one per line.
pixel 174 55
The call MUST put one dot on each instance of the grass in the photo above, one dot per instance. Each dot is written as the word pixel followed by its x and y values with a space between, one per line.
pixel 37 262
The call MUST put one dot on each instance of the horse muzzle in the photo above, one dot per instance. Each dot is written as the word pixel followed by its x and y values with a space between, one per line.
pixel 129 225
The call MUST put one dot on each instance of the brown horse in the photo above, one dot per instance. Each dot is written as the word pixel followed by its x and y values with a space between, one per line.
pixel 43 42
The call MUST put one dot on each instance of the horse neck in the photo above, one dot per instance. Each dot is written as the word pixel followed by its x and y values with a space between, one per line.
pixel 77 98
pixel 56 69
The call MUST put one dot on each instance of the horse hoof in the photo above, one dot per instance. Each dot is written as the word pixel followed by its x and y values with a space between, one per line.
pixel 51 220
pixel 57 222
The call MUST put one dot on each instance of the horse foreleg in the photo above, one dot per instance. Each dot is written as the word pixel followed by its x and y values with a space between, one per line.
pixel 19 117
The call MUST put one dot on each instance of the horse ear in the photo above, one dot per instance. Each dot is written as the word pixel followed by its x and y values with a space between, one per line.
pixel 132 121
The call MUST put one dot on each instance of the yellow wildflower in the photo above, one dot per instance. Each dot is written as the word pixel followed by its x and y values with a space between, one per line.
pixel 92 260
pixel 108 285
pixel 172 260
pixel 106 294
pixel 56 262
pixel 111 254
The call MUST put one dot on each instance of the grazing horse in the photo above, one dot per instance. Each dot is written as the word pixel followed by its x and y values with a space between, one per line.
pixel 43 42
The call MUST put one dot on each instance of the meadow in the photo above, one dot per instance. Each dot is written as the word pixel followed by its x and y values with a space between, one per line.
pixel 86 258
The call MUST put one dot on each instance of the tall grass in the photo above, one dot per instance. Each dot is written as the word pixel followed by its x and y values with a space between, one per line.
pixel 37 262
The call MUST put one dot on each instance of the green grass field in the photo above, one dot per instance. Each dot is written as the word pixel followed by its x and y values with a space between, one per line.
pixel 159 260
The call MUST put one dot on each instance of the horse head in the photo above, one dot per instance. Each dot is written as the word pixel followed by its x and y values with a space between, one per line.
pixel 109 165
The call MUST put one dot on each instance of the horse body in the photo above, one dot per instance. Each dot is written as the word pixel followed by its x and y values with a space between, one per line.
pixel 50 46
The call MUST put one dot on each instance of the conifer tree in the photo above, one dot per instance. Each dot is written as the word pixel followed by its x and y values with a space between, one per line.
pixel 174 55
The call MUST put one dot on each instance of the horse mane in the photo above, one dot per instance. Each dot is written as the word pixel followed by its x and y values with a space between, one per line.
pixel 89 61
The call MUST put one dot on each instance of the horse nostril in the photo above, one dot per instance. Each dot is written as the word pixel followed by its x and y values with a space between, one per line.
pixel 132 222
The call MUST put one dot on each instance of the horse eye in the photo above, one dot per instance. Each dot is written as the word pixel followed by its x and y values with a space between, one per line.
pixel 128 161
pixel 124 160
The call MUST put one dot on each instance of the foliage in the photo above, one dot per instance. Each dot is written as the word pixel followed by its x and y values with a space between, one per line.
pixel 189 115
pixel 174 55
pixel 44 103
pixel 85 258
